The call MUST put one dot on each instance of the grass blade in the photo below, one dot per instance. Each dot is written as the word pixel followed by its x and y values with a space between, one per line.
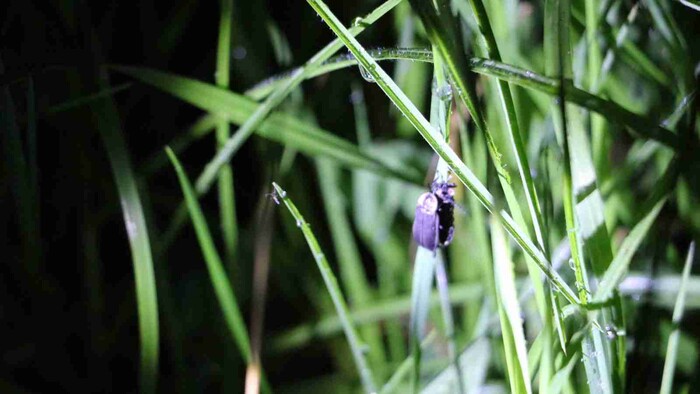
pixel 217 274
pixel 678 309
pixel 423 274
pixel 612 111
pixel 333 290
pixel 615 273
pixel 509 312
pixel 437 143
pixel 352 273
pixel 227 201
pixel 147 304
pixel 282 128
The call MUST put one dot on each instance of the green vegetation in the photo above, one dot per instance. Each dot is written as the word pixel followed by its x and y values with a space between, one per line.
pixel 569 128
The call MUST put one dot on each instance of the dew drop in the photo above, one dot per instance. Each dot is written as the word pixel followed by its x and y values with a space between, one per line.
pixel 444 92
pixel 299 223
pixel 366 75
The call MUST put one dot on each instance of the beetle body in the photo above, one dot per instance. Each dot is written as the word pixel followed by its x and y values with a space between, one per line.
pixel 433 225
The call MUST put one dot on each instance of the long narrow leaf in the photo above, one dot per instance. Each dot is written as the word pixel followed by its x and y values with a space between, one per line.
pixel 137 231
pixel 623 258
pixel 217 273
pixel 333 290
pixel 464 174
pixel 282 128
pixel 509 311
pixel 612 111
pixel 678 309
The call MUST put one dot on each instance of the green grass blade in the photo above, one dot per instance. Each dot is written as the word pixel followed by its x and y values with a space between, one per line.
pixel 692 4
pixel 509 311
pixel 423 274
pixel 352 273
pixel 442 284
pixel 278 127
pixel 333 290
pixel 678 310
pixel 147 304
pixel 511 121
pixel 623 258
pixel 612 111
pixel 578 185
pixel 437 143
pixel 339 62
pixel 227 202
pixel 217 273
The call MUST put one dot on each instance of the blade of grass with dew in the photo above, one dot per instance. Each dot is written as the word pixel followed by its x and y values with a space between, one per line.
pixel 383 311
pixel 440 28
pixel 519 155
pixel 509 312
pixel 678 310
pixel 227 200
pixel 217 273
pixel 278 127
pixel 352 273
pixel 334 291
pixel 511 121
pixel 612 111
pixel 623 258
pixel 577 172
pixel 589 206
pixel 107 121
pixel 438 144
pixel 411 77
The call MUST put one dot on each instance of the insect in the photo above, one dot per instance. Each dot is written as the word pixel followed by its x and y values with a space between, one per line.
pixel 433 225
